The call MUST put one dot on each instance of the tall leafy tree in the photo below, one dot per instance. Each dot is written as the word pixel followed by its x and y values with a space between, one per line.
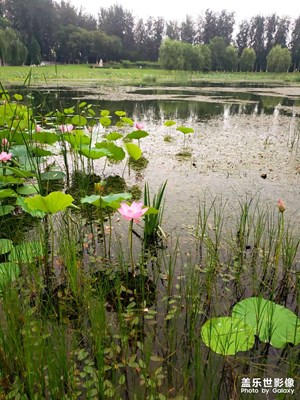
pixel 247 60
pixel 231 59
pixel 225 26
pixel 187 30
pixel 171 55
pixel 140 35
pixel 257 34
pixel 154 37
pixel 209 26
pixel 295 44
pixel 271 24
pixel 118 21
pixel 173 30
pixel 33 19
pixel 279 59
pixel 218 53
pixel 282 32
pixel 243 36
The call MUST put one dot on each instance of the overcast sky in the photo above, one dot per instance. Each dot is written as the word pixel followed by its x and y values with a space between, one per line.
pixel 172 9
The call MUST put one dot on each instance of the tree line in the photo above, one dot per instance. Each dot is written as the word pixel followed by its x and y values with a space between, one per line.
pixel 32 31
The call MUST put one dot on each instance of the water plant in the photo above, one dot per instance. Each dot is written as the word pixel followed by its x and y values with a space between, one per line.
pixel 271 322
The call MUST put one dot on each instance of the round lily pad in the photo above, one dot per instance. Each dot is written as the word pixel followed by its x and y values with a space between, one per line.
pixel 272 322
pixel 227 335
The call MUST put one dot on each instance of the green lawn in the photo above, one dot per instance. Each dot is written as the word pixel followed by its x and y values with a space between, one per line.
pixel 84 75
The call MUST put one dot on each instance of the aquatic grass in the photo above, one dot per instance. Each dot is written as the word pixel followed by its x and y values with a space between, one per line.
pixel 153 229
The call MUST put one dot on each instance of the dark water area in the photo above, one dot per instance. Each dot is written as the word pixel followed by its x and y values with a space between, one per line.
pixel 165 103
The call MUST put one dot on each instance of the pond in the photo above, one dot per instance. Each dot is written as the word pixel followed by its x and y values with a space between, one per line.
pixel 246 142
pixel 96 312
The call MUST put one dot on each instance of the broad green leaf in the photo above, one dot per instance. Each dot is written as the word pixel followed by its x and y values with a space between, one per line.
pixel 69 110
pixel 5 246
pixel 272 322
pixel 137 134
pixel 104 113
pixel 120 113
pixel 53 203
pixel 117 153
pixel 27 189
pixel 21 172
pixel 7 180
pixel 185 129
pixel 133 150
pixel 9 272
pixel 127 120
pixel 105 121
pixel 227 335
pixel 7 193
pixel 35 213
pixel 41 152
pixel 78 139
pixel 79 120
pixel 113 136
pixel 92 199
pixel 52 175
pixel 45 137
pixel 112 200
pixel 169 123
pixel 4 210
pixel 82 104
pixel 18 97
pixel 27 252
pixel 94 153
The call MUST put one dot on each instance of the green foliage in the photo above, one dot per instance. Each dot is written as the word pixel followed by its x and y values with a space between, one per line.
pixel 153 217
pixel 271 322
pixel 247 60
pixel 51 204
pixel 227 335
pixel 279 59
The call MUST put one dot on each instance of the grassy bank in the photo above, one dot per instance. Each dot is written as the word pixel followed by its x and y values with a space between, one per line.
pixel 65 75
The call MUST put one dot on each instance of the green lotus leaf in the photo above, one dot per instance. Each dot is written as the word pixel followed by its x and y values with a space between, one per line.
pixel 169 123
pixel 185 129
pixel 79 120
pixel 78 139
pixel 5 246
pixel 45 137
pixel 53 203
pixel 52 175
pixel 137 134
pixel 133 150
pixel 27 189
pixel 227 335
pixel 94 153
pixel 9 272
pixel 117 153
pixel 272 322
pixel 7 193
pixel 4 210
pixel 27 252
pixel 113 136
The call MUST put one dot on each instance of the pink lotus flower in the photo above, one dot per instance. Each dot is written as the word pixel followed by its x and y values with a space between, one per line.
pixel 281 206
pixel 66 128
pixel 38 128
pixel 133 212
pixel 5 156
pixel 139 125
pixel 4 142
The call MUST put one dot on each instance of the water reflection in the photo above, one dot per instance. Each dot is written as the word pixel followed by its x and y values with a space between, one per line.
pixel 161 103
